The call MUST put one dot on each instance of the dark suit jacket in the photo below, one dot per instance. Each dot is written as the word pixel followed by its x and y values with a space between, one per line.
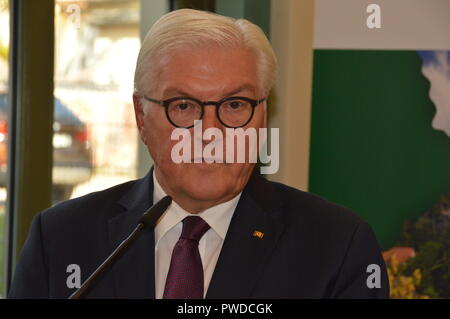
pixel 311 248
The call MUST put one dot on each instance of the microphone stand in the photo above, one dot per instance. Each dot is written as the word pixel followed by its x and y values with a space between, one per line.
pixel 149 219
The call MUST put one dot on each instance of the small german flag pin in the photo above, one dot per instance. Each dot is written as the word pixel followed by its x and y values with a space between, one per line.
pixel 258 234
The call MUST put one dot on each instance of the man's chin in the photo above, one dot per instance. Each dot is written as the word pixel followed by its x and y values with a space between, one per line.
pixel 211 195
pixel 208 187
pixel 204 182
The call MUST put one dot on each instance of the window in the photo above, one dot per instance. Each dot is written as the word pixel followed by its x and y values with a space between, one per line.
pixel 95 137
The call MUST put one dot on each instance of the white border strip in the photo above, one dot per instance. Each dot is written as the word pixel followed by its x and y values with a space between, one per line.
pixel 405 25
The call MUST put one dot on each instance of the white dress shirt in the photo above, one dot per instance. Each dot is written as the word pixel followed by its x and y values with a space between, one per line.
pixel 168 231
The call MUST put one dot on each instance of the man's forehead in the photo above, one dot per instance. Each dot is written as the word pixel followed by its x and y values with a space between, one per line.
pixel 206 60
pixel 216 70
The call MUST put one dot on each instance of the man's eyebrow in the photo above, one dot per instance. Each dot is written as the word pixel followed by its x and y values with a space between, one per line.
pixel 180 92
pixel 175 91
pixel 244 87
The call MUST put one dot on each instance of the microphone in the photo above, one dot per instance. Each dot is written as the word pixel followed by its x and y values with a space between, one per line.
pixel 149 219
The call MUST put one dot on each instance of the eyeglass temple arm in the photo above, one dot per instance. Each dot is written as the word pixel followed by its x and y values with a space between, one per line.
pixel 153 100
pixel 260 101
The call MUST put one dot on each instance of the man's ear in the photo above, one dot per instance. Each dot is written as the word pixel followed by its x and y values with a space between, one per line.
pixel 139 115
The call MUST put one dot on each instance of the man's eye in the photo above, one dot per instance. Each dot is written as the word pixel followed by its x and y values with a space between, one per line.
pixel 182 106
pixel 235 104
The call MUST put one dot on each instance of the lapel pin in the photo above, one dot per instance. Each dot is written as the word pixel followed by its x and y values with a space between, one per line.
pixel 258 234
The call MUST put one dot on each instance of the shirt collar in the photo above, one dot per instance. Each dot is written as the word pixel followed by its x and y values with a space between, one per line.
pixel 218 217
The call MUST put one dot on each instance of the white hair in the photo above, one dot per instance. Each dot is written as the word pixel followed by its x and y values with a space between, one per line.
pixel 194 28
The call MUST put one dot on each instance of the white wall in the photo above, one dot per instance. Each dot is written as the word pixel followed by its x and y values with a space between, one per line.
pixel 291 30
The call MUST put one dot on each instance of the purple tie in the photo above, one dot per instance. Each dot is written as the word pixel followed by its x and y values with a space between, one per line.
pixel 185 277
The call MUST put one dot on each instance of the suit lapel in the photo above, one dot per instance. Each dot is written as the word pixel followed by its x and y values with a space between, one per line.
pixel 133 273
pixel 245 251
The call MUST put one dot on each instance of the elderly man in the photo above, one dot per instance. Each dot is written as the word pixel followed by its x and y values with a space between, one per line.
pixel 229 233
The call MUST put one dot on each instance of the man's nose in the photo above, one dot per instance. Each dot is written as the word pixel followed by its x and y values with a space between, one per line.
pixel 210 118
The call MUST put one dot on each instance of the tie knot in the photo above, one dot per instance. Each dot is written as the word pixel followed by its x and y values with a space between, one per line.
pixel 194 227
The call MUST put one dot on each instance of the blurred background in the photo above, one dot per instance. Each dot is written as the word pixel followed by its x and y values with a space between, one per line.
pixel 362 101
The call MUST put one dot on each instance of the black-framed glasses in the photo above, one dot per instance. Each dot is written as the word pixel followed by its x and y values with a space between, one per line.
pixel 233 112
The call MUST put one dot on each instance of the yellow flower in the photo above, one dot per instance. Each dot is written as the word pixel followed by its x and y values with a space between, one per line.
pixel 403 287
